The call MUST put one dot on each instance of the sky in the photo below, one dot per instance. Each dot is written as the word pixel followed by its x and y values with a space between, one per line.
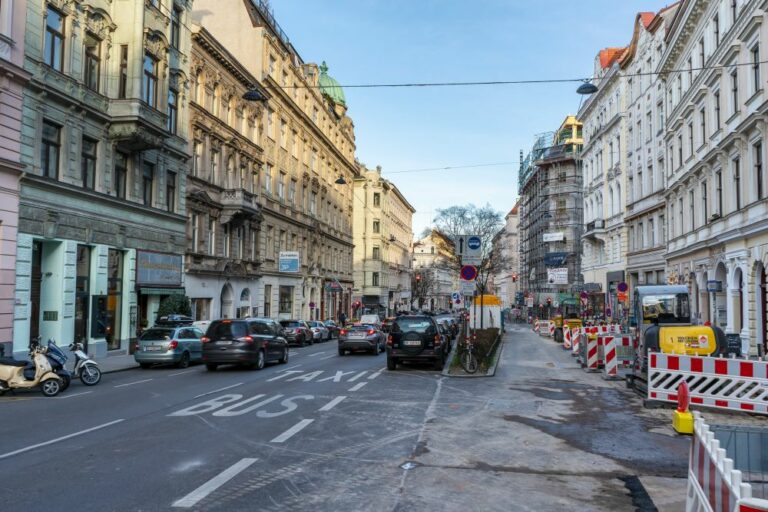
pixel 409 41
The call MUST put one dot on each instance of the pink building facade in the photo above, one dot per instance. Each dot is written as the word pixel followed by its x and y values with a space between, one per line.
pixel 12 80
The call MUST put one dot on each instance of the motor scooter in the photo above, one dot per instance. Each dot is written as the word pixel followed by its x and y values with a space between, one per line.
pixel 86 369
pixel 58 360
pixel 12 373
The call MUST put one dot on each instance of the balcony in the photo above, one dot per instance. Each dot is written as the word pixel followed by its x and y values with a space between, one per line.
pixel 238 204
pixel 594 229
pixel 136 126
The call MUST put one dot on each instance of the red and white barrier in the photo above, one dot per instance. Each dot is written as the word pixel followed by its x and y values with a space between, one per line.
pixel 735 384
pixel 713 484
pixel 544 327
pixel 593 356
pixel 618 352
pixel 551 329
pixel 566 337
pixel 576 334
pixel 536 326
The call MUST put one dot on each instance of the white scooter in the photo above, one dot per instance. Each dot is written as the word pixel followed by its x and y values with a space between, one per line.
pixel 12 373
pixel 86 369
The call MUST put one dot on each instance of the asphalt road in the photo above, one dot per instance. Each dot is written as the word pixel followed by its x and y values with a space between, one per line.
pixel 330 433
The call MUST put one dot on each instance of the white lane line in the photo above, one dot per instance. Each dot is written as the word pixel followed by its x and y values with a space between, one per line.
pixel 327 357
pixel 220 389
pixel 132 383
pixel 291 431
pixel 76 394
pixel 316 354
pixel 191 499
pixel 333 403
pixel 357 386
pixel 62 438
pixel 371 377
pixel 353 379
pixel 294 366
pixel 180 373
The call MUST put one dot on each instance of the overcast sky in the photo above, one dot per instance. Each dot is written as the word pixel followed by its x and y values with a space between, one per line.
pixel 407 41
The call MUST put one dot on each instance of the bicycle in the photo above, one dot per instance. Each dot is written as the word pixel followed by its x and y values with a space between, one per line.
pixel 467 356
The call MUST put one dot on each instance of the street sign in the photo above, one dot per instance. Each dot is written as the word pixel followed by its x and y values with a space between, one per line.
pixel 467 287
pixel 468 245
pixel 622 287
pixel 473 243
pixel 455 295
pixel 471 260
pixel 468 273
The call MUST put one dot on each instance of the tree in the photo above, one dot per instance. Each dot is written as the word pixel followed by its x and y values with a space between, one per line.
pixel 484 222
pixel 175 305
pixel 422 285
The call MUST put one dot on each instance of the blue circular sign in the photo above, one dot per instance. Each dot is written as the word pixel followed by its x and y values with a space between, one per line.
pixel 474 242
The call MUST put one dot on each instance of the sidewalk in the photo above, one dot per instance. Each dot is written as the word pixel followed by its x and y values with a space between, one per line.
pixel 116 363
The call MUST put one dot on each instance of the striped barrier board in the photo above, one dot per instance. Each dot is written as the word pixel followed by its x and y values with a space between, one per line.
pixel 713 483
pixel 566 337
pixel 576 339
pixel 536 326
pixel 734 384
pixel 551 329
pixel 619 352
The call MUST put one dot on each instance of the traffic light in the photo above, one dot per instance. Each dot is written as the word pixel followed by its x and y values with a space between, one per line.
pixel 418 277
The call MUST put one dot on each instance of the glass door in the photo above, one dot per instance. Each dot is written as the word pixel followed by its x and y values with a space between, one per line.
pixel 82 292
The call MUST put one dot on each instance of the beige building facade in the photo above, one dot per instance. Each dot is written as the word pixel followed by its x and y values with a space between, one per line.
pixel 383 236
pixel 308 148
pixel 435 261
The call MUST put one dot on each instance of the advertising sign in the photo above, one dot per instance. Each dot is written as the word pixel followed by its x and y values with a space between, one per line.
pixel 289 261
pixel 557 275
pixel 554 237
pixel 158 269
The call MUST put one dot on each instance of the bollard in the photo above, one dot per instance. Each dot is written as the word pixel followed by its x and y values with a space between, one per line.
pixel 682 419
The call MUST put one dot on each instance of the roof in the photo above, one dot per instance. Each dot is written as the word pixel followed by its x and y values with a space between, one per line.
pixel 646 18
pixel 330 87
pixel 651 23
pixel 609 55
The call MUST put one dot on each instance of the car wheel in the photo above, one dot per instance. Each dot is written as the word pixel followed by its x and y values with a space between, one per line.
pixel 211 367
pixel 342 352
pixel 284 359
pixel 375 350
pixel 439 363
pixel 260 360
pixel 300 341
pixel 391 364
pixel 145 365
pixel 184 361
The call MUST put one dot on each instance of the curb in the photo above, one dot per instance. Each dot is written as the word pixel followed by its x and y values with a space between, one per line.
pixel 491 370
pixel 117 370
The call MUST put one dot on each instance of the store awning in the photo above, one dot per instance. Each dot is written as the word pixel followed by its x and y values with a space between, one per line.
pixel 162 291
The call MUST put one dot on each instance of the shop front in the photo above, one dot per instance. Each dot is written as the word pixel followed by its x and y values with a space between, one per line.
pixel 158 275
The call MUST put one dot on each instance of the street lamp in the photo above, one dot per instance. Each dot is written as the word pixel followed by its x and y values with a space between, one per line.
pixel 340 180
pixel 254 95
pixel 587 88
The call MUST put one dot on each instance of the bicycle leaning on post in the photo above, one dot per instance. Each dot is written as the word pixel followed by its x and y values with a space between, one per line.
pixel 467 355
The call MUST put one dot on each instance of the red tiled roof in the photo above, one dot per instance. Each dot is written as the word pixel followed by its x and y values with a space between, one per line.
pixel 609 55
pixel 647 18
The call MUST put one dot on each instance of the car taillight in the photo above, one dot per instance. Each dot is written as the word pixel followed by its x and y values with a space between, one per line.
pixel 371 332
pixel 246 339
pixel 205 339
pixel 173 344
pixel 343 332
pixel 138 347
pixel 389 340
pixel 437 339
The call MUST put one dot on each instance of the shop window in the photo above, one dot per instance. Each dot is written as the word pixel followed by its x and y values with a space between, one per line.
pixel 286 300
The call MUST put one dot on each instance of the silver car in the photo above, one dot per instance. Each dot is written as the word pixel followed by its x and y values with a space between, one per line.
pixel 319 331
pixel 179 345
pixel 361 337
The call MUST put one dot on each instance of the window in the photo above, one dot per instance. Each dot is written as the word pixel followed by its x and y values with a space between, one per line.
pixel 663 229
pixel 734 91
pixel 283 134
pixel 268 179
pixel 214 177
pixel 376 199
pixel 737 182
pixel 719 190
pixel 281 186
pixel 88 163
pixel 734 13
pixel 679 150
pixel 241 242
pixel 121 174
pixel 641 232
pixel 227 239
pixel 243 176
pixel 272 64
pixel 49 150
pixel 703 116
pixel 149 85
pixel 690 139
pixel 680 212
pixel 313 203
pixel 175 27
pixel 292 192
pixel 194 222
pixel 267 300
pixel 756 68
pixel 704 206
pixel 123 78
pixel 716 29
pixel 374 279
pixel 377 226
pixel 701 52
pixel 254 245
pixel 270 125
pixel 147 183
pixel 376 253
pixel 692 208
pixel 757 151
pixel 173 109
pixel 54 39
pixel 211 236
pixel 170 191
pixel 92 61
pixel 286 300
pixel 197 158
pixel 717 110
pixel 651 233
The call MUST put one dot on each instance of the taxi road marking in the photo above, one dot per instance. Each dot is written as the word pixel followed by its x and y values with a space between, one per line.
pixel 191 499
pixel 333 403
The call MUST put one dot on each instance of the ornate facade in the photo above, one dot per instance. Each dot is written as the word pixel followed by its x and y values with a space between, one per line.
pixel 104 129
pixel 434 258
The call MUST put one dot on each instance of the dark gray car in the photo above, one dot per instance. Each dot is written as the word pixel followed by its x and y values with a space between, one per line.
pixel 416 338
pixel 251 342
pixel 361 337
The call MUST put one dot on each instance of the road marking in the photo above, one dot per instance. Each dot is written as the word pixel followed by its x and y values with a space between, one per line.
pixel 371 377
pixel 353 379
pixel 76 394
pixel 191 499
pixel 327 357
pixel 220 389
pixel 357 386
pixel 294 366
pixel 180 373
pixel 284 374
pixel 62 438
pixel 316 354
pixel 333 403
pixel 291 431
pixel 132 383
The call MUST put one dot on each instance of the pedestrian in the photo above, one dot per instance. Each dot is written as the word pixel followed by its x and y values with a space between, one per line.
pixel 343 319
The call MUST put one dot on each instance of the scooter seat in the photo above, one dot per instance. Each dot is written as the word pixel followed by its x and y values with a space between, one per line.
pixel 7 361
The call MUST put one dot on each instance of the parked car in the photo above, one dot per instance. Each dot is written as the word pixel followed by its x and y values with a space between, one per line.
pixel 333 328
pixel 319 331
pixel 169 341
pixel 386 324
pixel 251 342
pixel 361 337
pixel 415 338
pixel 297 332
pixel 450 323
pixel 445 332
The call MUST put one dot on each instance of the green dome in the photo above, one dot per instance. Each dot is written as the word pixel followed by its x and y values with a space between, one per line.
pixel 330 87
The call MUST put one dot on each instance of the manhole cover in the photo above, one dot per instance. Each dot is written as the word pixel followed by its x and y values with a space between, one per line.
pixel 409 465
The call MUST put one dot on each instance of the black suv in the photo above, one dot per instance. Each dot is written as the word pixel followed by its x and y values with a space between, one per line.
pixel 251 342
pixel 415 338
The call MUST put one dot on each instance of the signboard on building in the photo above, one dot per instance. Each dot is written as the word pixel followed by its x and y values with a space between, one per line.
pixel 557 275
pixel 554 237
pixel 714 286
pixel 158 269
pixel 289 261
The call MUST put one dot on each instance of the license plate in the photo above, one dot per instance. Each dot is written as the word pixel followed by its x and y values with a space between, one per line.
pixel 224 342
pixel 152 348
pixel 412 343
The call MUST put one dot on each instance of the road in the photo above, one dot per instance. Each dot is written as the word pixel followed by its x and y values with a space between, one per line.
pixel 324 432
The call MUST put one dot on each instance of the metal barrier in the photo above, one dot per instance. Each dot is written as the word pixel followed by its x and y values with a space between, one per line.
pixel 619 353
pixel 715 484
pixel 735 384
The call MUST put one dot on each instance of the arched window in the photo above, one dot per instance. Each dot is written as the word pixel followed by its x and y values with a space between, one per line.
pixel 610 200
pixel 230 172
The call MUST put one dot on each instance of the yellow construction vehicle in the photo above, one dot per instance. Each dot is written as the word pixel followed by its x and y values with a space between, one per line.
pixel 569 317
pixel 662 315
